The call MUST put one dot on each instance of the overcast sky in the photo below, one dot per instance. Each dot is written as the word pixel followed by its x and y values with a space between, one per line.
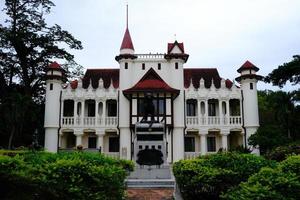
pixel 216 33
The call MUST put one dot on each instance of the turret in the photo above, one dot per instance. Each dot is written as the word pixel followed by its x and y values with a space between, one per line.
pixel 248 80
pixel 55 76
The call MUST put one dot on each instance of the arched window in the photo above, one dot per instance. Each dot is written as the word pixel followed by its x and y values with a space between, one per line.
pixel 191 107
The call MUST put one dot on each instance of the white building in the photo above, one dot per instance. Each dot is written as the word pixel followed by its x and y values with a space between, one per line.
pixel 151 102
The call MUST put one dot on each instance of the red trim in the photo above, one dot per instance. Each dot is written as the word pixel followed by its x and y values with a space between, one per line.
pixel 246 66
pixel 151 82
pixel 172 45
pixel 107 75
pixel 55 65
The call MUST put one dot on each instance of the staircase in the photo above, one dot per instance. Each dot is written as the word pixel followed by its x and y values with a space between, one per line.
pixel 151 182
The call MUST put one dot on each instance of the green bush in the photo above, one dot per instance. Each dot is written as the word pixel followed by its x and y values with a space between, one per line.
pixel 44 175
pixel 267 184
pixel 282 152
pixel 292 165
pixel 208 176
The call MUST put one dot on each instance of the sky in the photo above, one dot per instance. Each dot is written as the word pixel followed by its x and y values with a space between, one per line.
pixel 221 34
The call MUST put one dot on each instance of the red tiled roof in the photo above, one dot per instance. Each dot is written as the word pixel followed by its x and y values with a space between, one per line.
pixel 172 45
pixel 205 73
pixel 246 66
pixel 54 65
pixel 228 83
pixel 151 81
pixel 127 42
pixel 107 75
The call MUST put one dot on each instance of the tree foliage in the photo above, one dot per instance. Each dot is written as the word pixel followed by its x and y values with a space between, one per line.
pixel 27 46
pixel 287 72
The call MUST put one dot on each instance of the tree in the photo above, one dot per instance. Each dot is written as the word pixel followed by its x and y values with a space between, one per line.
pixel 287 72
pixel 27 46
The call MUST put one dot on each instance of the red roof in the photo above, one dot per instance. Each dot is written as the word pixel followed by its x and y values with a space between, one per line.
pixel 54 65
pixel 172 45
pixel 127 42
pixel 74 84
pixel 246 66
pixel 151 81
pixel 207 74
pixel 107 75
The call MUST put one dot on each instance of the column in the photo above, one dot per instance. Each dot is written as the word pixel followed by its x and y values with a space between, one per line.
pixel 100 145
pixel 203 142
pixel 206 111
pixel 96 112
pixel 227 111
pixel 82 112
pixel 220 112
pixel 78 138
pixel 75 113
pixel 240 121
pixel 104 113
pixel 62 111
pixel 199 110
pixel 225 141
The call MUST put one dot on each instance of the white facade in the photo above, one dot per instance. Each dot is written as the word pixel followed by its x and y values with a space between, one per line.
pixel 194 110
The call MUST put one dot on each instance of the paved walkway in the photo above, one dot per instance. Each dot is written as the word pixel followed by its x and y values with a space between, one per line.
pixel 150 194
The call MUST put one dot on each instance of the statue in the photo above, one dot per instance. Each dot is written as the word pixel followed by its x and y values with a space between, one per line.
pixel 149 108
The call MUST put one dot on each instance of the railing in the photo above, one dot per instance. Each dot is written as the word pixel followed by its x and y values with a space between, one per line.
pixel 89 121
pixel 192 120
pixel 112 154
pixel 111 121
pixel 150 56
pixel 191 155
pixel 236 120
pixel 213 120
pixel 68 121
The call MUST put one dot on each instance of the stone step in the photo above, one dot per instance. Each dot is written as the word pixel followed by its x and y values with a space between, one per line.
pixel 150 183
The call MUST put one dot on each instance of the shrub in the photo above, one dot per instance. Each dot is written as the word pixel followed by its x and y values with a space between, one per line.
pixel 44 175
pixel 267 184
pixel 208 176
pixel 292 165
pixel 282 152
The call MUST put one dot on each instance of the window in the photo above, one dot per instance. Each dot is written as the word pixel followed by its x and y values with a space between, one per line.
pixel 126 65
pixel 176 65
pixel 234 106
pixel 251 86
pixel 189 144
pixel 143 66
pixel 114 144
pixel 191 107
pixel 92 142
pixel 68 110
pixel 51 86
pixel 211 143
pixel 159 66
pixel 212 107
pixel 111 108
pixel 159 105
pixel 79 108
pixel 91 108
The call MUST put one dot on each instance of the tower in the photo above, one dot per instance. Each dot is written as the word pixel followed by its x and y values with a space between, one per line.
pixel 125 60
pixel 248 80
pixel 54 78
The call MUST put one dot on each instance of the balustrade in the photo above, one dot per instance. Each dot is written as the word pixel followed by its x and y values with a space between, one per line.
pixel 191 155
pixel 89 121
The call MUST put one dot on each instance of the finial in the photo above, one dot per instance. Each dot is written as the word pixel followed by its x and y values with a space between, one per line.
pixel 126 14
pixel 175 37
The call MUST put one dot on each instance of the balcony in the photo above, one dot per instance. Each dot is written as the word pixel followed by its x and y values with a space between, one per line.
pixel 192 121
pixel 69 122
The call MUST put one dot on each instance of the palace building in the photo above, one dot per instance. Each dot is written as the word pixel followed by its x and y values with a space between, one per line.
pixel 151 102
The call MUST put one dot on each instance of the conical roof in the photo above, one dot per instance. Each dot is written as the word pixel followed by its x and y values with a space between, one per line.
pixel 127 42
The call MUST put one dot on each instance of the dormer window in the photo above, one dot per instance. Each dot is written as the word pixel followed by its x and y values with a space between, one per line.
pixel 159 66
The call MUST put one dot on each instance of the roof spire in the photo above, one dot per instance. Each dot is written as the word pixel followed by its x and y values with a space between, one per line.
pixel 127 45
pixel 127 15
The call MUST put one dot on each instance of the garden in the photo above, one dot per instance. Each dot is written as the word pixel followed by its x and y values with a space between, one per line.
pixel 236 176
pixel 79 175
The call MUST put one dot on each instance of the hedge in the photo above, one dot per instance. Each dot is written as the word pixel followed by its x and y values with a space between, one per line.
pixel 281 183
pixel 62 176
pixel 207 177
